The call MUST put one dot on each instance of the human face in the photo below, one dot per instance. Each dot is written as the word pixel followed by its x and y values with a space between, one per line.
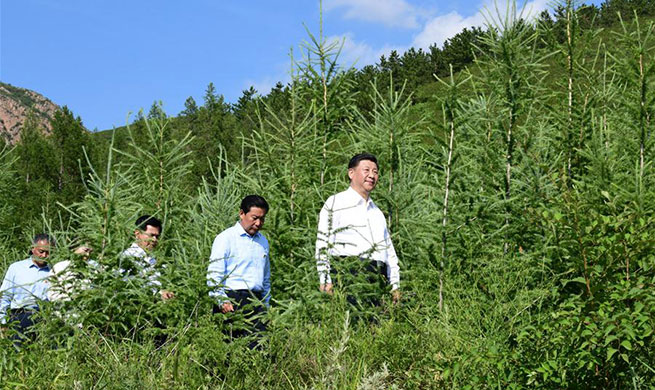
pixel 364 177
pixel 253 220
pixel 147 239
pixel 41 252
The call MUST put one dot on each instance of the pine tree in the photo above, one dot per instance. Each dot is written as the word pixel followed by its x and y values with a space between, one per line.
pixel 157 111
pixel 36 154
pixel 69 139
pixel 10 221
pixel 37 168
pixel 190 108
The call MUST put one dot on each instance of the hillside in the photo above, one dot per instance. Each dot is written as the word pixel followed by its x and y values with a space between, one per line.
pixel 519 197
pixel 15 106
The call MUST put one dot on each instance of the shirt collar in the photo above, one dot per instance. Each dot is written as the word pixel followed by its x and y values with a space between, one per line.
pixel 32 264
pixel 242 231
pixel 357 198
pixel 139 251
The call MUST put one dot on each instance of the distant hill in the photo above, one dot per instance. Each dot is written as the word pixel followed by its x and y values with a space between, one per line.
pixel 15 104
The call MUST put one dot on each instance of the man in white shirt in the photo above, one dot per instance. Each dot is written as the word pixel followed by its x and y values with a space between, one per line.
pixel 351 225
pixel 65 281
pixel 146 234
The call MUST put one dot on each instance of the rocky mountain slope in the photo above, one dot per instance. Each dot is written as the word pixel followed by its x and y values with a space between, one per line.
pixel 15 105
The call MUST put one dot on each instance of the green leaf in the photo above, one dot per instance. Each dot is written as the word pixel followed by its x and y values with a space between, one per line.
pixel 610 353
pixel 579 279
pixel 626 344
pixel 608 330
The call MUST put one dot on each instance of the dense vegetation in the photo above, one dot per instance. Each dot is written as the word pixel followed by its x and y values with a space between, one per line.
pixel 519 188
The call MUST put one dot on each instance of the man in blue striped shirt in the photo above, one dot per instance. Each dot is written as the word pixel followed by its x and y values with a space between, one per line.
pixel 239 272
pixel 25 284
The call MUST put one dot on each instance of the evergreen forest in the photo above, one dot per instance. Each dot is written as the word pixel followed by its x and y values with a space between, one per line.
pixel 517 177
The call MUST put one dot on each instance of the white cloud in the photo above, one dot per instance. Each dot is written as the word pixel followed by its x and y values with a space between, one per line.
pixel 442 27
pixel 265 85
pixel 359 54
pixel 278 73
pixel 435 30
pixel 353 53
pixel 393 13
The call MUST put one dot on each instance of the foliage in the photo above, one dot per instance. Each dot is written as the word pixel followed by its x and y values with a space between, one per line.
pixel 519 197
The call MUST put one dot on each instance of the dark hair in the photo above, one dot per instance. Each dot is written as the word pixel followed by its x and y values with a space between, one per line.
pixel 44 237
pixel 354 162
pixel 143 221
pixel 253 201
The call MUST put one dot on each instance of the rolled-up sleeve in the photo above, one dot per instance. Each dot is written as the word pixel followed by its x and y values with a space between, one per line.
pixel 267 280
pixel 6 294
pixel 323 239
pixel 217 265
pixel 393 269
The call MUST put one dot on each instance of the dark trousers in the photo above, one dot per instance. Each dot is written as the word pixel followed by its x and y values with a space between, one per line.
pixel 246 319
pixel 363 281
pixel 21 321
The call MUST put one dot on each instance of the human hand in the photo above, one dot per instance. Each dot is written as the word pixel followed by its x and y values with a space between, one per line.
pixel 166 295
pixel 227 307
pixel 84 251
pixel 395 296
pixel 326 288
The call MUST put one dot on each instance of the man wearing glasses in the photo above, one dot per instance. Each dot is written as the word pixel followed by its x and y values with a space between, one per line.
pixel 25 284
pixel 146 236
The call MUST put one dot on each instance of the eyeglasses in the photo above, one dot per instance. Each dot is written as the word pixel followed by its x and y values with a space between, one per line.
pixel 151 235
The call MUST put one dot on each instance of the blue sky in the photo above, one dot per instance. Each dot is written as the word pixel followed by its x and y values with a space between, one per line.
pixel 106 58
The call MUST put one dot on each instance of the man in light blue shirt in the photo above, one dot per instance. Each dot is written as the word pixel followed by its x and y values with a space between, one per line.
pixel 239 272
pixel 25 284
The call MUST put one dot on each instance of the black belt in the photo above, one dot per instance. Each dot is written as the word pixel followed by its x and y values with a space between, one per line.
pixel 379 263
pixel 376 263
pixel 371 266
pixel 244 292
pixel 23 310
